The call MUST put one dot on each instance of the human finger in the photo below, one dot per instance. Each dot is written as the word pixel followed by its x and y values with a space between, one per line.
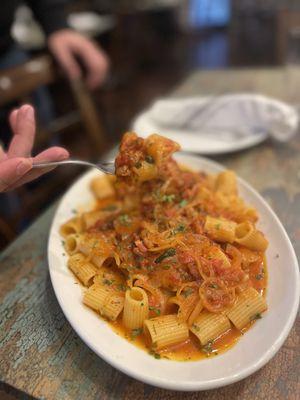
pixel 51 154
pixel 67 61
pixel 95 62
pixel 13 119
pixel 11 170
pixel 2 153
pixel 24 132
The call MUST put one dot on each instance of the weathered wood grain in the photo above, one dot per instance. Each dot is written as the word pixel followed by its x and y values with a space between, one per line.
pixel 41 355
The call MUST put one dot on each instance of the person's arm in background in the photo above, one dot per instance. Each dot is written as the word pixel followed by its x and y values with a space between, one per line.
pixel 67 45
pixel 16 163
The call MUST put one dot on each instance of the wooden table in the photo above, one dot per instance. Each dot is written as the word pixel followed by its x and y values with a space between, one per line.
pixel 42 356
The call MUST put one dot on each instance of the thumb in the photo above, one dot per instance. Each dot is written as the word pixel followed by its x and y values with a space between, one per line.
pixel 13 169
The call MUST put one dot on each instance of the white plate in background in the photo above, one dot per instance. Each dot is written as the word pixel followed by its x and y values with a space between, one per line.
pixel 253 350
pixel 194 142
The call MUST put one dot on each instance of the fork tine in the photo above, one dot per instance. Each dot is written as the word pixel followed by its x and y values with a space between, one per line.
pixel 107 167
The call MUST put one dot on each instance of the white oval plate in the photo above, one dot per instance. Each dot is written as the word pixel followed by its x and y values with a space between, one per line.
pixel 253 350
pixel 196 142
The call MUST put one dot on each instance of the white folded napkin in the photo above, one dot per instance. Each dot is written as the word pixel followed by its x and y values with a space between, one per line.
pixel 227 117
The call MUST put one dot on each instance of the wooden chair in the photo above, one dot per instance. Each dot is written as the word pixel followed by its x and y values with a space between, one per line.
pixel 18 83
pixel 16 86
pixel 288 23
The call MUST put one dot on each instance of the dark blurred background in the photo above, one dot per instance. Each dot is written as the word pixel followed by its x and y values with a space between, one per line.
pixel 153 45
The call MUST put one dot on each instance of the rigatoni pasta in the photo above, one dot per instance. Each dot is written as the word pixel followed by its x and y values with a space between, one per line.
pixel 226 183
pixel 102 187
pixel 113 306
pixel 96 296
pixel 248 307
pixel 208 326
pixel 248 236
pixel 74 225
pixel 136 308
pixel 220 229
pixel 82 268
pixel 172 258
pixel 166 330
pixel 105 301
pixel 71 243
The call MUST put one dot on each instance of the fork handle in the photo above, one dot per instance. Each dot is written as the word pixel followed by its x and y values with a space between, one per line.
pixel 102 168
pixel 44 164
pixel 57 163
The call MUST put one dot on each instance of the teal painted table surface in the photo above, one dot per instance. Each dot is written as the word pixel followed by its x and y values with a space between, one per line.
pixel 41 355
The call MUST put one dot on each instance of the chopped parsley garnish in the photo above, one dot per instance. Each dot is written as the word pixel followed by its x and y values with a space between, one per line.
pixel 168 198
pixel 166 266
pixel 154 354
pixel 138 165
pixel 107 282
pixel 213 286
pixel 74 211
pixel 187 292
pixel 149 159
pixel 111 207
pixel 124 219
pixel 258 277
pixel 167 253
pixel 196 327
pixel 136 332
pixel 121 287
pixel 255 316
pixel 208 348
pixel 178 229
pixel 218 226
pixel 155 309
pixel 183 203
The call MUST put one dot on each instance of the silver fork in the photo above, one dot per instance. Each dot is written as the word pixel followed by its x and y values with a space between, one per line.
pixel 106 167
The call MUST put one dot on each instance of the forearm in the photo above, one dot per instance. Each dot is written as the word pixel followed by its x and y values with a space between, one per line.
pixel 51 14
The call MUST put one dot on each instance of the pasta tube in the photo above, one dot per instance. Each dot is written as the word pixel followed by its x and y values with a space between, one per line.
pixel 208 326
pixel 102 187
pixel 216 253
pixel 166 330
pixel 90 218
pixel 247 308
pixel 71 243
pixel 72 226
pixel 226 183
pixel 96 248
pixel 112 307
pixel 136 308
pixel 160 148
pixel 220 230
pixel 146 171
pixel 96 296
pixel 248 236
pixel 82 269
pixel 105 301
